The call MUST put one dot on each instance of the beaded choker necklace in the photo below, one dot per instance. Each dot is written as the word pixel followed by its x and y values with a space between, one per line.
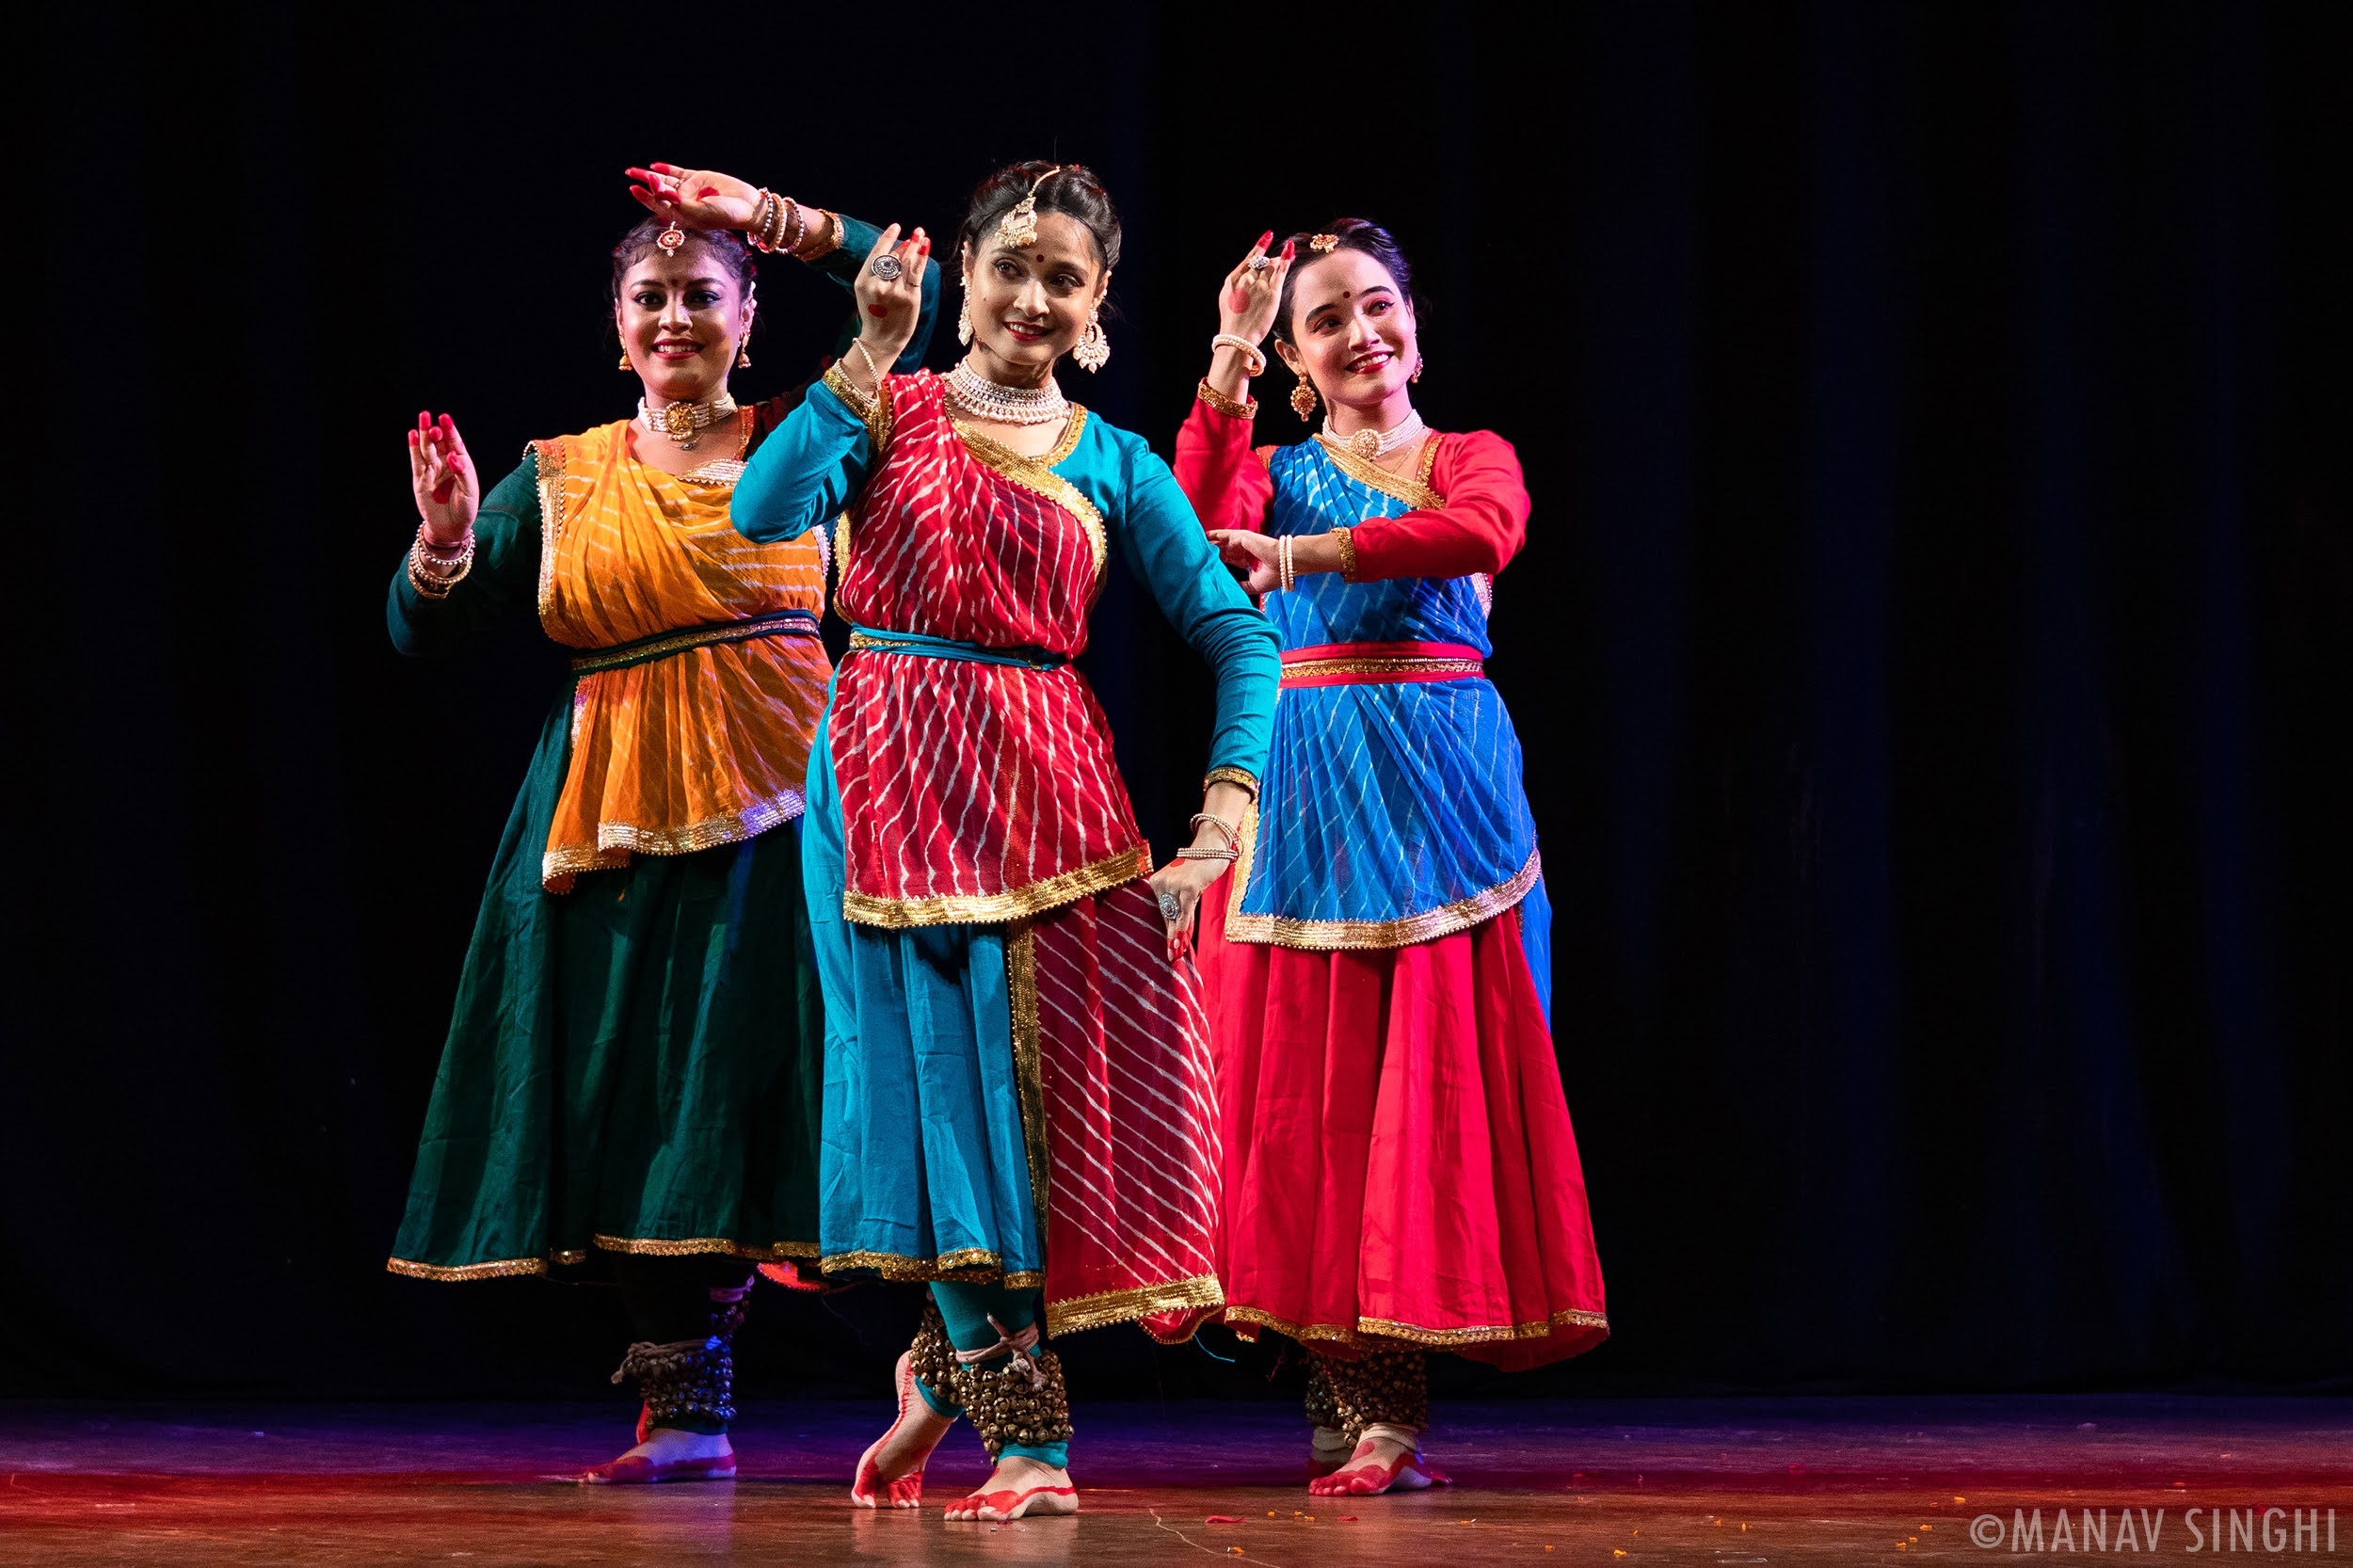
pixel 684 422
pixel 984 399
pixel 1373 445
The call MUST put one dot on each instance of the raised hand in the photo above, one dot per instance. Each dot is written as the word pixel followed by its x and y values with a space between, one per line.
pixel 888 306
pixel 1238 547
pixel 697 197
pixel 441 473
pixel 1246 303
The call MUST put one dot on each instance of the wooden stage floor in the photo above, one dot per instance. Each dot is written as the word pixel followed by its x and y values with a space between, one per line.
pixel 1592 1482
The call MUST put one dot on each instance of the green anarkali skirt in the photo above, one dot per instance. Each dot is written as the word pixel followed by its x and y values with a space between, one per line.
pixel 632 1066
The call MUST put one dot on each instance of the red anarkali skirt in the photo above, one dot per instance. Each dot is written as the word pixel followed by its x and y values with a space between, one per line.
pixel 1398 1161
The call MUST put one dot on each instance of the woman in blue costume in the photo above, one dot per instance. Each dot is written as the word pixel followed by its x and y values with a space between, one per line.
pixel 1018 1106
pixel 1400 1171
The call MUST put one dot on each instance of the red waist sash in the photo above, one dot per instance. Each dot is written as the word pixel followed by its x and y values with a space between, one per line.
pixel 1380 663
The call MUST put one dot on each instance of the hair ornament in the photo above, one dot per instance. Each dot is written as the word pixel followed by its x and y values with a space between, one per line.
pixel 1323 242
pixel 1018 228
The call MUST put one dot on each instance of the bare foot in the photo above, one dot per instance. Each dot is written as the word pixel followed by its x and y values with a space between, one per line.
pixel 669 1454
pixel 1017 1488
pixel 1389 1458
pixel 890 1474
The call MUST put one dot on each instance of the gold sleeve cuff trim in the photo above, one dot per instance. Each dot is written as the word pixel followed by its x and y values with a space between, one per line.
pixel 1037 475
pixel 1410 1334
pixel 895 914
pixel 1243 777
pixel 1346 538
pixel 1118 1307
pixel 1235 407
pixel 1332 936
pixel 617 841
pixel 874 412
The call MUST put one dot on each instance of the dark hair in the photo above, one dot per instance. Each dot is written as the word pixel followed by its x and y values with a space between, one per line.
pixel 1070 189
pixel 1354 233
pixel 725 244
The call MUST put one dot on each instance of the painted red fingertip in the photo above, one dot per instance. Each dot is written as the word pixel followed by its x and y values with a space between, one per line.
pixel 1290 249
pixel 1264 240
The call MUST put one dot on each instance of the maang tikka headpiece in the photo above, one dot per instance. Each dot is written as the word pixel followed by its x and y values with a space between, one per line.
pixel 1018 228
pixel 1323 244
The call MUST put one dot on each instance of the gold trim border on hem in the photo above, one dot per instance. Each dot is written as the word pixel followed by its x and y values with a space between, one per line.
pixel 617 842
pixel 967 1265
pixel 1074 1313
pixel 552 459
pixel 1284 931
pixel 1389 1329
pixel 1021 992
pixel 1036 898
pixel 516 1268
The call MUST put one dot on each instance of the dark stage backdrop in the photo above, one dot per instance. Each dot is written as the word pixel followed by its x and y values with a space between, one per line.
pixel 1930 646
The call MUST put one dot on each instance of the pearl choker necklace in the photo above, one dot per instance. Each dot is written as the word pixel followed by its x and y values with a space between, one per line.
pixel 982 398
pixel 1373 445
pixel 684 422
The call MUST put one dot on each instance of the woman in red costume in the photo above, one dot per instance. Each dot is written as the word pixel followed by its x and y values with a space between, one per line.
pixel 1017 1104
pixel 1400 1174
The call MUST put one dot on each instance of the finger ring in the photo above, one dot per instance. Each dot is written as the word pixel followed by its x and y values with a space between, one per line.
pixel 1171 907
pixel 886 268
pixel 1259 264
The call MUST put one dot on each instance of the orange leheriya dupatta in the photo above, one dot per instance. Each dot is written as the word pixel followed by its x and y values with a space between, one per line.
pixel 698 734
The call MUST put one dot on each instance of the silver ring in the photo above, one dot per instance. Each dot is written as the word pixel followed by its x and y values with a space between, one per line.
pixel 1171 907
pixel 1259 264
pixel 885 267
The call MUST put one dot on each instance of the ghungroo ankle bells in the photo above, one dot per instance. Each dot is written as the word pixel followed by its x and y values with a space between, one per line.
pixel 932 1357
pixel 689 1380
pixel 1022 1402
pixel 1391 1387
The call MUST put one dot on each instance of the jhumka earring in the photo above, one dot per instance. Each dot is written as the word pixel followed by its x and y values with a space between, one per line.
pixel 1095 349
pixel 624 358
pixel 1419 362
pixel 964 321
pixel 1304 398
pixel 743 358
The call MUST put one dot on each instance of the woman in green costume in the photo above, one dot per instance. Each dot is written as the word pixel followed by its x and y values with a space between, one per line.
pixel 632 1070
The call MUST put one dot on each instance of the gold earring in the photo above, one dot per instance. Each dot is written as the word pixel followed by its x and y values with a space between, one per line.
pixel 1304 398
pixel 964 321
pixel 743 358
pixel 1418 361
pixel 624 358
pixel 1095 349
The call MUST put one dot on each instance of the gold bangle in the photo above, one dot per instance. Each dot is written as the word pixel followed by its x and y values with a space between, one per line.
pixel 1230 775
pixel 827 239
pixel 1246 409
pixel 1346 538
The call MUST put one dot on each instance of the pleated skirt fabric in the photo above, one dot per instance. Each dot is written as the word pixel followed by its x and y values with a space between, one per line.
pixel 1399 1166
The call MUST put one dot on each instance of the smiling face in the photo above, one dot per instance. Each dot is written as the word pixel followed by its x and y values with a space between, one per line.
pixel 1029 306
pixel 680 318
pixel 1352 330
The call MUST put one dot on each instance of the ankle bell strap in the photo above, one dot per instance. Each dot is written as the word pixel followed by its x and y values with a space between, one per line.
pixel 1018 1345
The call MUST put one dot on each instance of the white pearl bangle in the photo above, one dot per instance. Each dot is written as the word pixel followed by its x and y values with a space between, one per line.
pixel 1253 363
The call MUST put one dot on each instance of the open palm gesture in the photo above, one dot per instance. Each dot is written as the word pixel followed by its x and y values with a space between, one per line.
pixel 441 473
pixel 697 197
